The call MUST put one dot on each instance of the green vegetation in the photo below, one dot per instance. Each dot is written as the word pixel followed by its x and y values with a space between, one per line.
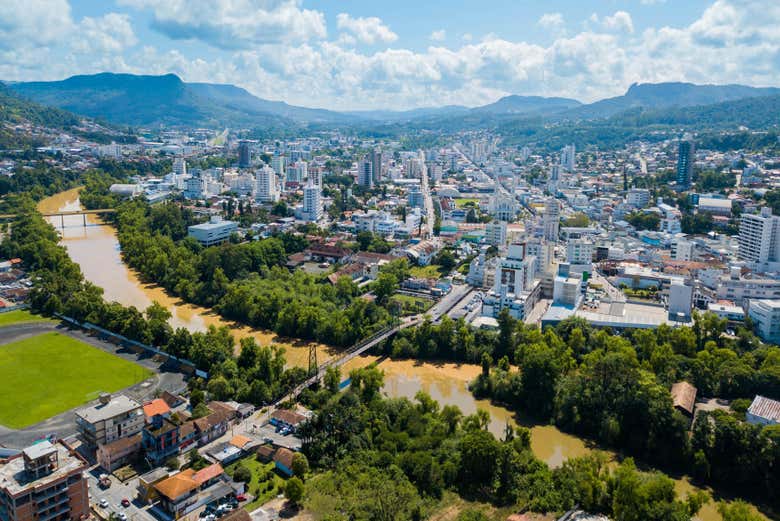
pixel 388 459
pixel 431 271
pixel 466 202
pixel 644 220
pixel 263 483
pixel 258 375
pixel 615 389
pixel 50 373
pixel 410 305
pixel 20 316
pixel 578 220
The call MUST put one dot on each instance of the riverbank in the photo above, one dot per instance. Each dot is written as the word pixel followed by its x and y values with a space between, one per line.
pixel 95 248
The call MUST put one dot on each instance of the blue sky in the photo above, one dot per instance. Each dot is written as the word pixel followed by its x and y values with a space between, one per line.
pixel 355 54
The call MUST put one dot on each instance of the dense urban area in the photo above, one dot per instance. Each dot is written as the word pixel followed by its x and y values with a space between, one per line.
pixel 466 317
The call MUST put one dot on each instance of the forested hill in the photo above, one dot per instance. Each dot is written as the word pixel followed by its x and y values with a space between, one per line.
pixel 15 110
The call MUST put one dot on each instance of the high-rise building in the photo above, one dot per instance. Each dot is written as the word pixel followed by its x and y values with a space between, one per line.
pixel 244 154
pixel 638 197
pixel 495 233
pixel 551 220
pixel 45 482
pixel 297 172
pixel 685 158
pixel 552 181
pixel 759 237
pixel 315 175
pixel 278 164
pixel 195 186
pixel 415 197
pixel 579 251
pixel 179 166
pixel 376 164
pixel 266 190
pixel 312 202
pixel 568 158
pixel 366 173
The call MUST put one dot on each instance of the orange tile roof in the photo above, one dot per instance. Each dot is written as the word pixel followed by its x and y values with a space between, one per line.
pixel 177 485
pixel 208 473
pixel 239 441
pixel 155 407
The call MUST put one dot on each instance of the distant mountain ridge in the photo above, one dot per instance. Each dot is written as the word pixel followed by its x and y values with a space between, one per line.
pixel 166 100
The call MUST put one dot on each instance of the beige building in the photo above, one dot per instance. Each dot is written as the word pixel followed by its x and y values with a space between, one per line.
pixel 110 420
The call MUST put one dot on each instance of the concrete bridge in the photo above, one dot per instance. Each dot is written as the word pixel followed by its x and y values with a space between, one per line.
pixel 65 213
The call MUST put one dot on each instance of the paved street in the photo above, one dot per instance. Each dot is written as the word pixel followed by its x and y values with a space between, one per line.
pixel 137 511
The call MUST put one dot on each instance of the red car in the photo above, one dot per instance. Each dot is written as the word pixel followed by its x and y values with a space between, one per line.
pixel 241 497
pixel 125 502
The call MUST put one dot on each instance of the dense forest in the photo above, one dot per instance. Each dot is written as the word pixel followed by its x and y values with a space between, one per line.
pixel 615 389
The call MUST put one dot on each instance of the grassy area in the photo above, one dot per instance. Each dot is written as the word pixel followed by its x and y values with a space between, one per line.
pixel 467 201
pixel 20 316
pixel 412 305
pixel 50 373
pixel 265 484
pixel 425 272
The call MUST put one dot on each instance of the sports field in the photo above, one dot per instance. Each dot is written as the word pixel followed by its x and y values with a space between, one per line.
pixel 50 373
pixel 20 316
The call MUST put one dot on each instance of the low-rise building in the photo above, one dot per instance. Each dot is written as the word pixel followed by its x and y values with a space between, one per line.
pixel 765 315
pixel 45 482
pixel 763 411
pixel 188 490
pixel 216 231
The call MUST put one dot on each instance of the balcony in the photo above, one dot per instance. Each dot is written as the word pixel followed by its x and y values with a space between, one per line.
pixel 43 508
pixel 40 498
pixel 64 510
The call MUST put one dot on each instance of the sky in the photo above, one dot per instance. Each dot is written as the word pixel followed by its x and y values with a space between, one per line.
pixel 363 54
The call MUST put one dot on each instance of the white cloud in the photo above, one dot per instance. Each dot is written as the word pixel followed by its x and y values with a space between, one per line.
pixel 234 24
pixel 33 23
pixel 552 22
pixel 368 30
pixel 620 21
pixel 110 33
pixel 438 36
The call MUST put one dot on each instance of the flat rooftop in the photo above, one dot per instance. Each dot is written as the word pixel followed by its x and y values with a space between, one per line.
pixel 15 480
pixel 119 404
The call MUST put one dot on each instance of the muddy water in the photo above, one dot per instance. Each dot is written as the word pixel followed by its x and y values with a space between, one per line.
pixel 96 249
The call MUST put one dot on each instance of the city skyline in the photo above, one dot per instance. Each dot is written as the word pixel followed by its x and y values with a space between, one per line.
pixel 351 56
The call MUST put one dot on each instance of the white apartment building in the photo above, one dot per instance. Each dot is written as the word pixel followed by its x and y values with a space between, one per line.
pixel 682 250
pixel 551 220
pixel 579 251
pixel 312 202
pixel 765 314
pixel 759 237
pixel 737 288
pixel 266 189
pixel 495 233
pixel 638 197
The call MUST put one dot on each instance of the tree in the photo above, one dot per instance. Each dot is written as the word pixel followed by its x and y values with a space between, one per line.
pixel 300 465
pixel 446 260
pixel 293 491
pixel 242 474
pixel 172 463
pixel 737 511
pixel 332 379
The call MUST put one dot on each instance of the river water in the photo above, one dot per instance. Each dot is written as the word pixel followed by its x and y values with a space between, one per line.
pixel 96 249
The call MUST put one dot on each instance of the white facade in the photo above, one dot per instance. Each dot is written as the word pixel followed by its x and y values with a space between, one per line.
pixel 312 202
pixel 213 232
pixel 568 158
pixel 278 165
pixel 638 197
pixel 579 251
pixel 495 233
pixel 680 301
pixel 682 250
pixel 765 314
pixel 759 237
pixel 266 190
pixel 551 220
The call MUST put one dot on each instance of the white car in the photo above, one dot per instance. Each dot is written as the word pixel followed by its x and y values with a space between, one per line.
pixel 103 503
pixel 122 516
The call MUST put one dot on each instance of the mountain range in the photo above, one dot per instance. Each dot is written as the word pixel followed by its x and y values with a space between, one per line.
pixel 166 100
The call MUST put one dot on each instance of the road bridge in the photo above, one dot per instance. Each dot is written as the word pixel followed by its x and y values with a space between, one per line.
pixel 65 213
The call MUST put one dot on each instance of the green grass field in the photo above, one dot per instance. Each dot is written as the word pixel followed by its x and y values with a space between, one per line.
pixel 20 316
pixel 425 272
pixel 50 373
pixel 265 484
pixel 467 201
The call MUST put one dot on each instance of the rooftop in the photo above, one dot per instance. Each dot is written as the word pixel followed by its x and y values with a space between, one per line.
pixel 120 404
pixel 155 407
pixel 765 408
pixel 15 480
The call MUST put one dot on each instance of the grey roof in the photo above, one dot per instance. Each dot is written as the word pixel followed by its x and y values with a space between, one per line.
pixel 39 450
pixel 120 404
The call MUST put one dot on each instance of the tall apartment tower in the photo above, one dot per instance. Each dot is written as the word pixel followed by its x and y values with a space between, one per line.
pixel 179 166
pixel 759 237
pixel 244 154
pixel 376 164
pixel 551 220
pixel 312 201
pixel 685 158
pixel 366 173
pixel 266 190
pixel 568 158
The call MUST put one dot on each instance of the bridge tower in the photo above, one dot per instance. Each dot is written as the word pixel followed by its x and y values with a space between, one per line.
pixel 313 365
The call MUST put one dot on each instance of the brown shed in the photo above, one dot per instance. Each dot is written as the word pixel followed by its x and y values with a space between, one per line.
pixel 684 397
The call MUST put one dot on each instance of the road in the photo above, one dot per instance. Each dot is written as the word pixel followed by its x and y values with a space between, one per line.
pixel 138 510
pixel 430 214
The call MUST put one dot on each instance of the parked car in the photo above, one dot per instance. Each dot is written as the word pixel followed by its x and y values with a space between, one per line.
pixel 122 516
pixel 241 497
pixel 125 502
pixel 103 503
